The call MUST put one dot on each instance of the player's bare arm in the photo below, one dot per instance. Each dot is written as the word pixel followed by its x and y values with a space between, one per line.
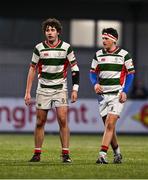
pixel 30 78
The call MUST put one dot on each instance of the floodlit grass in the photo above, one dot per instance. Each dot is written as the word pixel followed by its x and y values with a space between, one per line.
pixel 16 150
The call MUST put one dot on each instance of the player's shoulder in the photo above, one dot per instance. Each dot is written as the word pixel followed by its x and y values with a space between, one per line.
pixel 66 44
pixel 99 52
pixel 123 52
pixel 39 45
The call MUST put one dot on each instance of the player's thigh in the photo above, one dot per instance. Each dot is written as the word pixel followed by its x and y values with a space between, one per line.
pixel 41 116
pixel 111 119
pixel 62 113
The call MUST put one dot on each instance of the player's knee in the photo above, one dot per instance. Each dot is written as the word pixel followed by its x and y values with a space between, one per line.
pixel 62 123
pixel 110 126
pixel 40 123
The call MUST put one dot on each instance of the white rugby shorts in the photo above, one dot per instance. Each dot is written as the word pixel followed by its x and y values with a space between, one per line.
pixel 54 100
pixel 109 104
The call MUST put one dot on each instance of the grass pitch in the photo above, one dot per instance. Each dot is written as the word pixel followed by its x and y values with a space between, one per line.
pixel 16 150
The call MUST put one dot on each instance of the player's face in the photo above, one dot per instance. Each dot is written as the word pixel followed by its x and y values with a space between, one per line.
pixel 107 43
pixel 51 34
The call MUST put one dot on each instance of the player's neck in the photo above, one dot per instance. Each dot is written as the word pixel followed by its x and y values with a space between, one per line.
pixel 112 49
pixel 54 43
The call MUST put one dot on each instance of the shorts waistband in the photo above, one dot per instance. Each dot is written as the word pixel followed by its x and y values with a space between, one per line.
pixel 58 86
pixel 112 92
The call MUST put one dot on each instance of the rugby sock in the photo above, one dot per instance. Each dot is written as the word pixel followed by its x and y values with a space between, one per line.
pixel 65 150
pixel 104 149
pixel 37 150
pixel 116 150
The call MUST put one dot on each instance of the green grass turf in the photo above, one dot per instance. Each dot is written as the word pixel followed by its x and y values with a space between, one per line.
pixel 16 150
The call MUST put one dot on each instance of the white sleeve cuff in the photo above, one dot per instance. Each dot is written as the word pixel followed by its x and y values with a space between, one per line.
pixel 75 87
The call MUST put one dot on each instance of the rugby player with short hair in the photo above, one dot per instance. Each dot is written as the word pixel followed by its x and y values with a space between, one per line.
pixel 111 74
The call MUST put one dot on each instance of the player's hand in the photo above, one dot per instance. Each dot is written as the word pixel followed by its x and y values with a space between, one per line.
pixel 122 97
pixel 98 89
pixel 27 99
pixel 74 96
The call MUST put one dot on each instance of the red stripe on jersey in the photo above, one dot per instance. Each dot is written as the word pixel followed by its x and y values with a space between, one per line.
pixel 39 68
pixel 123 74
pixel 65 68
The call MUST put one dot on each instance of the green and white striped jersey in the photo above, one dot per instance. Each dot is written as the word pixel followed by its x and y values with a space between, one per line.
pixel 52 64
pixel 112 68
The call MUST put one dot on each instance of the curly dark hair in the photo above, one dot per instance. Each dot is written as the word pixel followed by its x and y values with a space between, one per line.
pixel 111 31
pixel 53 23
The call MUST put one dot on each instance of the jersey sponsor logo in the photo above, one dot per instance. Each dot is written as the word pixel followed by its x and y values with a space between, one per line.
pixel 45 54
pixel 102 59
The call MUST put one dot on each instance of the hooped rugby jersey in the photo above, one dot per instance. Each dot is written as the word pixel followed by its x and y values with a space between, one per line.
pixel 52 64
pixel 112 68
